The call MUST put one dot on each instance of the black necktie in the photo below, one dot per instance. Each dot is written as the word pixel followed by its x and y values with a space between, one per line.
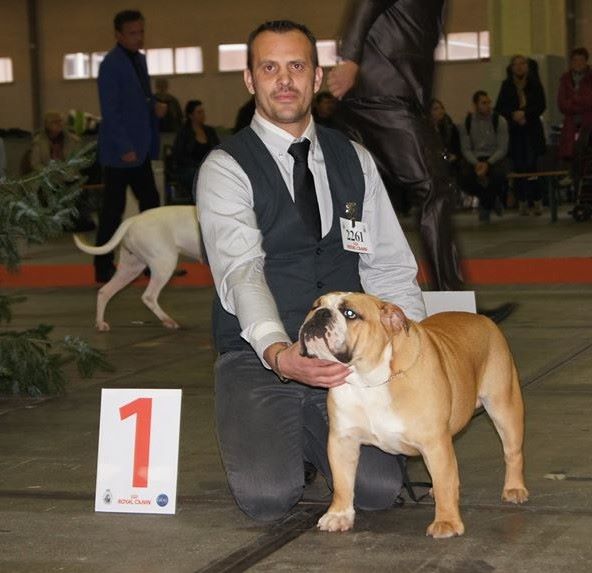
pixel 305 195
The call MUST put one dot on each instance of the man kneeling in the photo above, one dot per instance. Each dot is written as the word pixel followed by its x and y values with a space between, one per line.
pixel 276 202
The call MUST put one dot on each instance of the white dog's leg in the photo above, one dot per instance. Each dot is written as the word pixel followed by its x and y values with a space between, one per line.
pixel 159 276
pixel 128 268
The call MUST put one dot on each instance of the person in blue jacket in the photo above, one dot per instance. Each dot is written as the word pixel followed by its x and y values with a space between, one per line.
pixel 128 134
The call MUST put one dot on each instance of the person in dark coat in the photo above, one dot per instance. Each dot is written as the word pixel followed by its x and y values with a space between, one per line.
pixel 323 109
pixel 448 134
pixel 385 84
pixel 193 142
pixel 244 115
pixel 128 135
pixel 521 101
pixel 172 121
pixel 574 99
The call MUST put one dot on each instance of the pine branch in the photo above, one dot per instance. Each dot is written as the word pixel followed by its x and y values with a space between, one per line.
pixel 88 359
pixel 36 208
pixel 30 365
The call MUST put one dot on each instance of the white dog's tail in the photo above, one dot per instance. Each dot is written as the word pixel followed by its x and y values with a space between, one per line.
pixel 108 246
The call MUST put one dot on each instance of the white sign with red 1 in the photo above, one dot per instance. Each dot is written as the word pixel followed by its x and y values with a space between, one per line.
pixel 138 451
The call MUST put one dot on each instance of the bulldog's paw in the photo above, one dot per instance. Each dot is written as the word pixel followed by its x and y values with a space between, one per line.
pixel 444 529
pixel 337 520
pixel 516 495
pixel 103 326
pixel 170 323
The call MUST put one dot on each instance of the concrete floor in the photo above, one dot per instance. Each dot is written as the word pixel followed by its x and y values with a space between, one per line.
pixel 48 448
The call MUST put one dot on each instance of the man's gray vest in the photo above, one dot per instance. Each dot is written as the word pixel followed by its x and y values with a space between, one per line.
pixel 298 268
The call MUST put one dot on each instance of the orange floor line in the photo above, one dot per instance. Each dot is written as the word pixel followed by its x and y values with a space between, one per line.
pixel 39 276
pixel 576 270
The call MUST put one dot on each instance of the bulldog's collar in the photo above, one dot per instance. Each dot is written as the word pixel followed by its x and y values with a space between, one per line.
pixel 393 375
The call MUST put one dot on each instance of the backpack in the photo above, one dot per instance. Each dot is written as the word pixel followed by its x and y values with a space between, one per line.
pixel 469 121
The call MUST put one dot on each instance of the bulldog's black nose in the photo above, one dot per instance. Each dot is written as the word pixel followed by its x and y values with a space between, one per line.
pixel 322 315
pixel 318 323
pixel 315 327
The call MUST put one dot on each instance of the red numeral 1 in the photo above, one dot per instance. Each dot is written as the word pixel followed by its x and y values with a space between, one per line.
pixel 143 408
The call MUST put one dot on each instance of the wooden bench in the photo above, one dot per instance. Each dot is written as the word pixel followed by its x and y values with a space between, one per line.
pixel 551 179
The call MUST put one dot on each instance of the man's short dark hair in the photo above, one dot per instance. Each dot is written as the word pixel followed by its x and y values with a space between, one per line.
pixel 478 95
pixel 281 27
pixel 579 52
pixel 126 16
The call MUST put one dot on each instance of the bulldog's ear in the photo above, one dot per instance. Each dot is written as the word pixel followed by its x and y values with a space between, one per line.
pixel 393 318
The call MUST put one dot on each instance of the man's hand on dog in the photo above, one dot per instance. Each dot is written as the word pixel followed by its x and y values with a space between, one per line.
pixel 309 371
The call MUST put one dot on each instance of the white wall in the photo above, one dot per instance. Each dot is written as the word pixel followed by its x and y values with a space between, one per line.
pixel 74 25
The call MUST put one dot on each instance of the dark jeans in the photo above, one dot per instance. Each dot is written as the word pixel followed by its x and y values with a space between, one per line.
pixel 488 189
pixel 525 160
pixel 266 430
pixel 116 180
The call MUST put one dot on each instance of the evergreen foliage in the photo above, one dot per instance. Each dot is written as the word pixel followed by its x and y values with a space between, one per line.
pixel 34 209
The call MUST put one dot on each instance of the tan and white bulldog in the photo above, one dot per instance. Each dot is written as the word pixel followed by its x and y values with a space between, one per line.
pixel 413 387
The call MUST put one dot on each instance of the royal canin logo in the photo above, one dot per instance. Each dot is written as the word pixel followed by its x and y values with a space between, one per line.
pixel 133 500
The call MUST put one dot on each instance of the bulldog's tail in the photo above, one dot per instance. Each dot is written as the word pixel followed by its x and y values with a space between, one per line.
pixel 109 245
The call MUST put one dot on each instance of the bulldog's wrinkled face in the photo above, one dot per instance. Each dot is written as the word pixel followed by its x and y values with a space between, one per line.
pixel 352 328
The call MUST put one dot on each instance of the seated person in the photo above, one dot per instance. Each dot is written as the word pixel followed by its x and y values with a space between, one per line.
pixel 484 146
pixel 52 142
pixel 193 142
pixel 55 143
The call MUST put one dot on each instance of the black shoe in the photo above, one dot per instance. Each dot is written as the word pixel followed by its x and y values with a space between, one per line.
pixel 177 273
pixel 104 275
pixel 310 473
pixel 500 312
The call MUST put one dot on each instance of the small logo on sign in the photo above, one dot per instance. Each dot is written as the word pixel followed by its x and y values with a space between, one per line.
pixel 107 497
pixel 162 499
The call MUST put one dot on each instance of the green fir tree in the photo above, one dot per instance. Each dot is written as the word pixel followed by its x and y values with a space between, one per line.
pixel 34 209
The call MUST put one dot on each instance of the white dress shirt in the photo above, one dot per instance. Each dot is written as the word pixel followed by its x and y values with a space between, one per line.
pixel 233 240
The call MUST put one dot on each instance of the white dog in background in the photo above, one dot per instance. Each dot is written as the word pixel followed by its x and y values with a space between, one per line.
pixel 154 238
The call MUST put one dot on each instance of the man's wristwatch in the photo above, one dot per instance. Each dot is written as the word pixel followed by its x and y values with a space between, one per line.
pixel 276 364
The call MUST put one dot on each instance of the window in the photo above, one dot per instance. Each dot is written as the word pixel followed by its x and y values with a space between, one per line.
pixel 6 70
pixel 188 60
pixel 76 66
pixel 463 46
pixel 327 50
pixel 160 62
pixel 484 52
pixel 232 57
pixel 95 61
